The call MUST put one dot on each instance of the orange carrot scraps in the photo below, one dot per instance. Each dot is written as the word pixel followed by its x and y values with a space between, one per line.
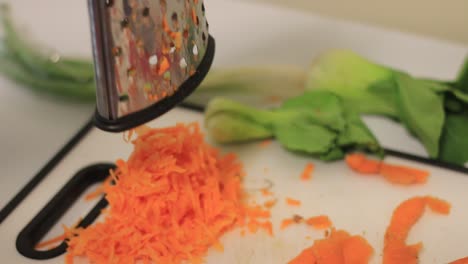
pixel 269 204
pixel 319 222
pixel 51 241
pixel 339 248
pixel 460 261
pixel 403 218
pixel 266 192
pixel 437 205
pixel 307 173
pixel 257 212
pixel 265 143
pixel 164 66
pixel 286 222
pixel 292 202
pixel 359 162
pixel 396 174
pixel 403 175
pixel 172 200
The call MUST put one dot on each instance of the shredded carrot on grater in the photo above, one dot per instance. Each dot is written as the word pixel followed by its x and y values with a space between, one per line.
pixel 404 217
pixel 172 200
pixel 307 173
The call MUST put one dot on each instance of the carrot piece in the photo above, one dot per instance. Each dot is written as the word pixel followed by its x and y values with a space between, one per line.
pixel 172 200
pixel 403 175
pixel 164 66
pixel 359 163
pixel 292 202
pixel 460 261
pixel 338 248
pixel 265 143
pixel 403 218
pixel 437 205
pixel 51 241
pixel 307 173
pixel 319 222
pixel 286 223
pixel 269 204
pixel 266 192
pixel 356 250
pixel 307 256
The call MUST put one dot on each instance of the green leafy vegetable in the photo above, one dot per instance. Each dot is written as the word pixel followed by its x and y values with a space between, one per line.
pixel 421 110
pixel 312 123
pixel 454 142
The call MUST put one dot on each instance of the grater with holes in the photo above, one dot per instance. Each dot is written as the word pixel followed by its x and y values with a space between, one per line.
pixel 148 55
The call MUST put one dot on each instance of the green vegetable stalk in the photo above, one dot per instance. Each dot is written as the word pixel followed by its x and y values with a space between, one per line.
pixel 314 123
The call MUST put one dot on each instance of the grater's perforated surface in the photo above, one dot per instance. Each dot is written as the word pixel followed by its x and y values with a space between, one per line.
pixel 157 45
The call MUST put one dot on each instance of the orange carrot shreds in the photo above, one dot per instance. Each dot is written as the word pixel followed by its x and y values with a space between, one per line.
pixel 172 200
pixel 360 163
pixel 265 143
pixel 438 206
pixel 307 173
pixel 292 202
pixel 319 222
pixel 338 248
pixel 356 250
pixel 307 256
pixel 257 212
pixel 460 261
pixel 403 218
pixel 286 223
pixel 296 219
pixel 403 175
pixel 266 192
pixel 269 204
pixel 51 242
pixel 396 174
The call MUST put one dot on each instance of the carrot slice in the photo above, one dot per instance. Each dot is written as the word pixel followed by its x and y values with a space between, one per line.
pixel 338 248
pixel 292 202
pixel 460 261
pixel 173 198
pixel 403 218
pixel 319 222
pixel 359 163
pixel 437 205
pixel 403 175
pixel 396 174
pixel 356 250
pixel 307 173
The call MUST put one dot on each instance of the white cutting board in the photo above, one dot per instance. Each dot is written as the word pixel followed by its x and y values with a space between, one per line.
pixel 360 205
pixel 257 34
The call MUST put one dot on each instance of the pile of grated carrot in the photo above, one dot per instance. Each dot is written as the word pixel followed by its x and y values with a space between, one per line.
pixel 171 201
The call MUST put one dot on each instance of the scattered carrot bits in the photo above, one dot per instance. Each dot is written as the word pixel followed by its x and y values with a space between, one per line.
pixel 338 248
pixel 307 173
pixel 319 222
pixel 396 174
pixel 266 192
pixel 172 200
pixel 292 202
pixel 460 261
pixel 269 204
pixel 265 143
pixel 403 218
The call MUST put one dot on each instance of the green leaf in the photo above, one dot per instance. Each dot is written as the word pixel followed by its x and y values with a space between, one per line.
pixel 303 137
pixel 357 134
pixel 334 154
pixel 462 79
pixel 319 107
pixel 454 143
pixel 421 110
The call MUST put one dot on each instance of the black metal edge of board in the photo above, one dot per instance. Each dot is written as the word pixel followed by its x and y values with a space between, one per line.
pixel 44 171
pixel 77 138
pixel 49 215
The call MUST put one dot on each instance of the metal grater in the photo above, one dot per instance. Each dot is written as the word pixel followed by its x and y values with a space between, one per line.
pixel 148 55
